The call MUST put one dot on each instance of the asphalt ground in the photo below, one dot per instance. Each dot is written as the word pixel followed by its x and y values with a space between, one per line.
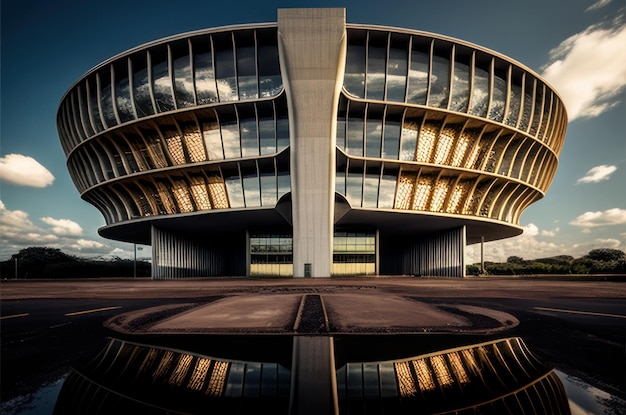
pixel 578 326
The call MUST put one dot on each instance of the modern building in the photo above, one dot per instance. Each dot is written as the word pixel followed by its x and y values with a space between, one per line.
pixel 310 147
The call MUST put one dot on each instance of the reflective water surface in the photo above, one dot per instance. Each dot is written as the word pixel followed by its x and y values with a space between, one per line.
pixel 496 377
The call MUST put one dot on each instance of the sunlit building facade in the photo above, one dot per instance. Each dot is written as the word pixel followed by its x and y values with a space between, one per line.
pixel 310 147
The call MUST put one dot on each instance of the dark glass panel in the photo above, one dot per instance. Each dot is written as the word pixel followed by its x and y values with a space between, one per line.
pixel 248 131
pixel 270 82
pixel 94 107
pixel 230 132
pixel 374 130
pixel 354 185
pixel 225 67
pixel 480 87
pixel 106 98
pixel 161 81
pixel 183 78
pixel 267 127
pixel 233 187
pixel 418 71
pixel 387 190
pixel 354 79
pixel 461 80
pixel 268 182
pixel 251 184
pixel 440 78
pixel 141 88
pixel 284 183
pixel 498 98
pixel 355 133
pixel 206 91
pixel 370 186
pixel 78 113
pixel 282 132
pixel 122 93
pixel 246 65
pixel 376 64
pixel 397 67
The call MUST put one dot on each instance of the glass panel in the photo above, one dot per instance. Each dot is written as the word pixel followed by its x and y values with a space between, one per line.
pixel 267 134
pixel 78 113
pixel 252 384
pixel 94 109
pixel 355 187
pixel 141 88
pixel 246 66
pixel 212 139
pixel 249 139
pixel 418 73
pixel 391 144
pixel 354 80
pixel 225 68
pixel 183 78
pixel 251 185
pixel 270 82
pixel 203 68
pixel 409 139
pixel 122 95
pixel 460 87
pixel 268 183
pixel 370 189
pixel 374 128
pixel 354 134
pixel 340 182
pixel 230 132
pixel 161 81
pixel 284 183
pixel 439 82
pixel 480 93
pixel 282 133
pixel 376 63
pixel 341 132
pixel 537 113
pixel 397 68
pixel 106 98
pixel 496 112
pixel 234 188
pixel 515 103
pixel 387 190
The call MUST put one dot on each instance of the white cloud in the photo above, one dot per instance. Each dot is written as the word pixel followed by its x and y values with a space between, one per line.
pixel 551 233
pixel 17 232
pixel 24 171
pixel 589 69
pixel 63 226
pixel 598 5
pixel 599 243
pixel 614 216
pixel 597 174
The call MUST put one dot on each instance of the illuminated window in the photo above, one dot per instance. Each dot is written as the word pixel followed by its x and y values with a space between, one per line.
pixel 201 369
pixel 218 379
pixel 217 190
pixel 424 376
pixel 444 145
pixel 199 193
pixel 406 384
pixel 182 196
pixel 175 147
pixel 180 372
pixel 460 150
pixel 166 198
pixel 404 192
pixel 439 195
pixel 444 377
pixel 426 143
pixel 195 147
pixel 457 367
pixel 422 193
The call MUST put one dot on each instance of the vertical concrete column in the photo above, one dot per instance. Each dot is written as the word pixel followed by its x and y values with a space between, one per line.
pixel 312 50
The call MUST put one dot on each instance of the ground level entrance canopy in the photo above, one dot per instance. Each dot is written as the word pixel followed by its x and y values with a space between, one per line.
pixel 310 147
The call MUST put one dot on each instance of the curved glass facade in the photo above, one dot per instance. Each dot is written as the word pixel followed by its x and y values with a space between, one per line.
pixel 426 124
pixel 458 137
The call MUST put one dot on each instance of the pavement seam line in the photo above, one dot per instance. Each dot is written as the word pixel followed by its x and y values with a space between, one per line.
pixel 589 313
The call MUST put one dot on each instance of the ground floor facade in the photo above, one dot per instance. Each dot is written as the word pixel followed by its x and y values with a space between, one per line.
pixel 263 252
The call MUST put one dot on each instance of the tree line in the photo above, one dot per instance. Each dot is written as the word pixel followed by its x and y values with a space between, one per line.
pixel 42 262
pixel 597 261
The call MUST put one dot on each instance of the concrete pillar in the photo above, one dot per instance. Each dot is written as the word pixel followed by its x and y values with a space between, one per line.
pixel 312 50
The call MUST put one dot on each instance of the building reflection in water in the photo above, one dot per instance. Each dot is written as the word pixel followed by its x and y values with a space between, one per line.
pixel 496 377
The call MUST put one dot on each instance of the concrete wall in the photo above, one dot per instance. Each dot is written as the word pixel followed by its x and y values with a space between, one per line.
pixel 312 48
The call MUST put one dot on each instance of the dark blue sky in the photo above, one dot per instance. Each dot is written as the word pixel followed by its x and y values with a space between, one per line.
pixel 48 45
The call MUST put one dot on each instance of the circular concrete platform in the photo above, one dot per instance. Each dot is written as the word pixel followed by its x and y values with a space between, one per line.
pixel 327 313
